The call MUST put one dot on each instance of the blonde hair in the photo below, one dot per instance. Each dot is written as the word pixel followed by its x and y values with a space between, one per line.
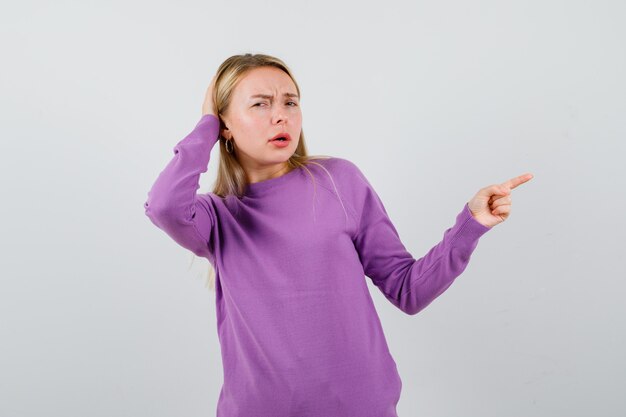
pixel 231 177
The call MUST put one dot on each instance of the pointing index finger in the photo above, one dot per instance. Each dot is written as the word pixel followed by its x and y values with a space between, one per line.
pixel 521 179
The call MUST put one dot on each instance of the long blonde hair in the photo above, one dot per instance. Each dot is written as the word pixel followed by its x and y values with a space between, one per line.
pixel 231 177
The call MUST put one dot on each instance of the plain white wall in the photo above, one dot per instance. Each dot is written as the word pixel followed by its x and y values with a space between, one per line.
pixel 100 313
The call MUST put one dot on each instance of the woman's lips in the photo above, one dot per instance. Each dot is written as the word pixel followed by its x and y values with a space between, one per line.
pixel 280 143
pixel 282 135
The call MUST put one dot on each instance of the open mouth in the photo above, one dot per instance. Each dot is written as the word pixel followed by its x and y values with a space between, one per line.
pixel 281 137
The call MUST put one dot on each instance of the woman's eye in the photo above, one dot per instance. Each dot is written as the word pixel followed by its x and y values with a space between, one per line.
pixel 293 103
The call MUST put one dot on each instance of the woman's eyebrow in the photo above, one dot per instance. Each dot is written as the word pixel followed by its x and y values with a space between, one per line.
pixel 269 96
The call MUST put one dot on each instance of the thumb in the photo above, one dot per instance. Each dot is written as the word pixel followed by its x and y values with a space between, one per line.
pixel 495 189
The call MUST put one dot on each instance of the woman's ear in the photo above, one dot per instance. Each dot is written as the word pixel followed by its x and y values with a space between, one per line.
pixel 224 129
pixel 226 133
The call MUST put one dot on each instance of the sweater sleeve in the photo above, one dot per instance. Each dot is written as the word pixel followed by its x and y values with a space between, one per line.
pixel 173 204
pixel 410 284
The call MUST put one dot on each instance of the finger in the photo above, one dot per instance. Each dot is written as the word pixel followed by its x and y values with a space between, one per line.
pixel 521 179
pixel 500 201
pixel 495 190
pixel 501 209
pixel 502 195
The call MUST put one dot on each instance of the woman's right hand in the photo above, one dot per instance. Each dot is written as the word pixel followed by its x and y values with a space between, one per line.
pixel 207 106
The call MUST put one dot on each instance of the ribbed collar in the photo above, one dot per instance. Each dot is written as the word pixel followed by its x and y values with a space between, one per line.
pixel 257 188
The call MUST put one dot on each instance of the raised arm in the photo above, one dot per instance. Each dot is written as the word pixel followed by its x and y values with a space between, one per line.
pixel 173 204
pixel 410 284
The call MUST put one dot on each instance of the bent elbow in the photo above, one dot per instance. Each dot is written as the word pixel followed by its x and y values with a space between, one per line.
pixel 159 215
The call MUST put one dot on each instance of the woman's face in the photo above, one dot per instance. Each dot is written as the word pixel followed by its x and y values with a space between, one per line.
pixel 252 120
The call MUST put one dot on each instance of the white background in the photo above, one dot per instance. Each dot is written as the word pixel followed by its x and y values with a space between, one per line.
pixel 100 314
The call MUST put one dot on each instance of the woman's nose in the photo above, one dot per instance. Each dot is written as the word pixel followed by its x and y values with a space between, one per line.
pixel 279 117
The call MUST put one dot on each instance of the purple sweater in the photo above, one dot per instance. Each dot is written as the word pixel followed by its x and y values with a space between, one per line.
pixel 298 330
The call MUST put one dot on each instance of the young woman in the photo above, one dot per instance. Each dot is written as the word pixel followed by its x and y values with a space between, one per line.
pixel 291 237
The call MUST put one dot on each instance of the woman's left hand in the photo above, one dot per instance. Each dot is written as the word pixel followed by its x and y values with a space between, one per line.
pixel 492 204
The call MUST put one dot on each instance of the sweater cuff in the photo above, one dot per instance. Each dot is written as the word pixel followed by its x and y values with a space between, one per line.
pixel 210 124
pixel 470 228
pixel 209 116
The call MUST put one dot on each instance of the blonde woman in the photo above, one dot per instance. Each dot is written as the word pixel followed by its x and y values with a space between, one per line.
pixel 290 238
